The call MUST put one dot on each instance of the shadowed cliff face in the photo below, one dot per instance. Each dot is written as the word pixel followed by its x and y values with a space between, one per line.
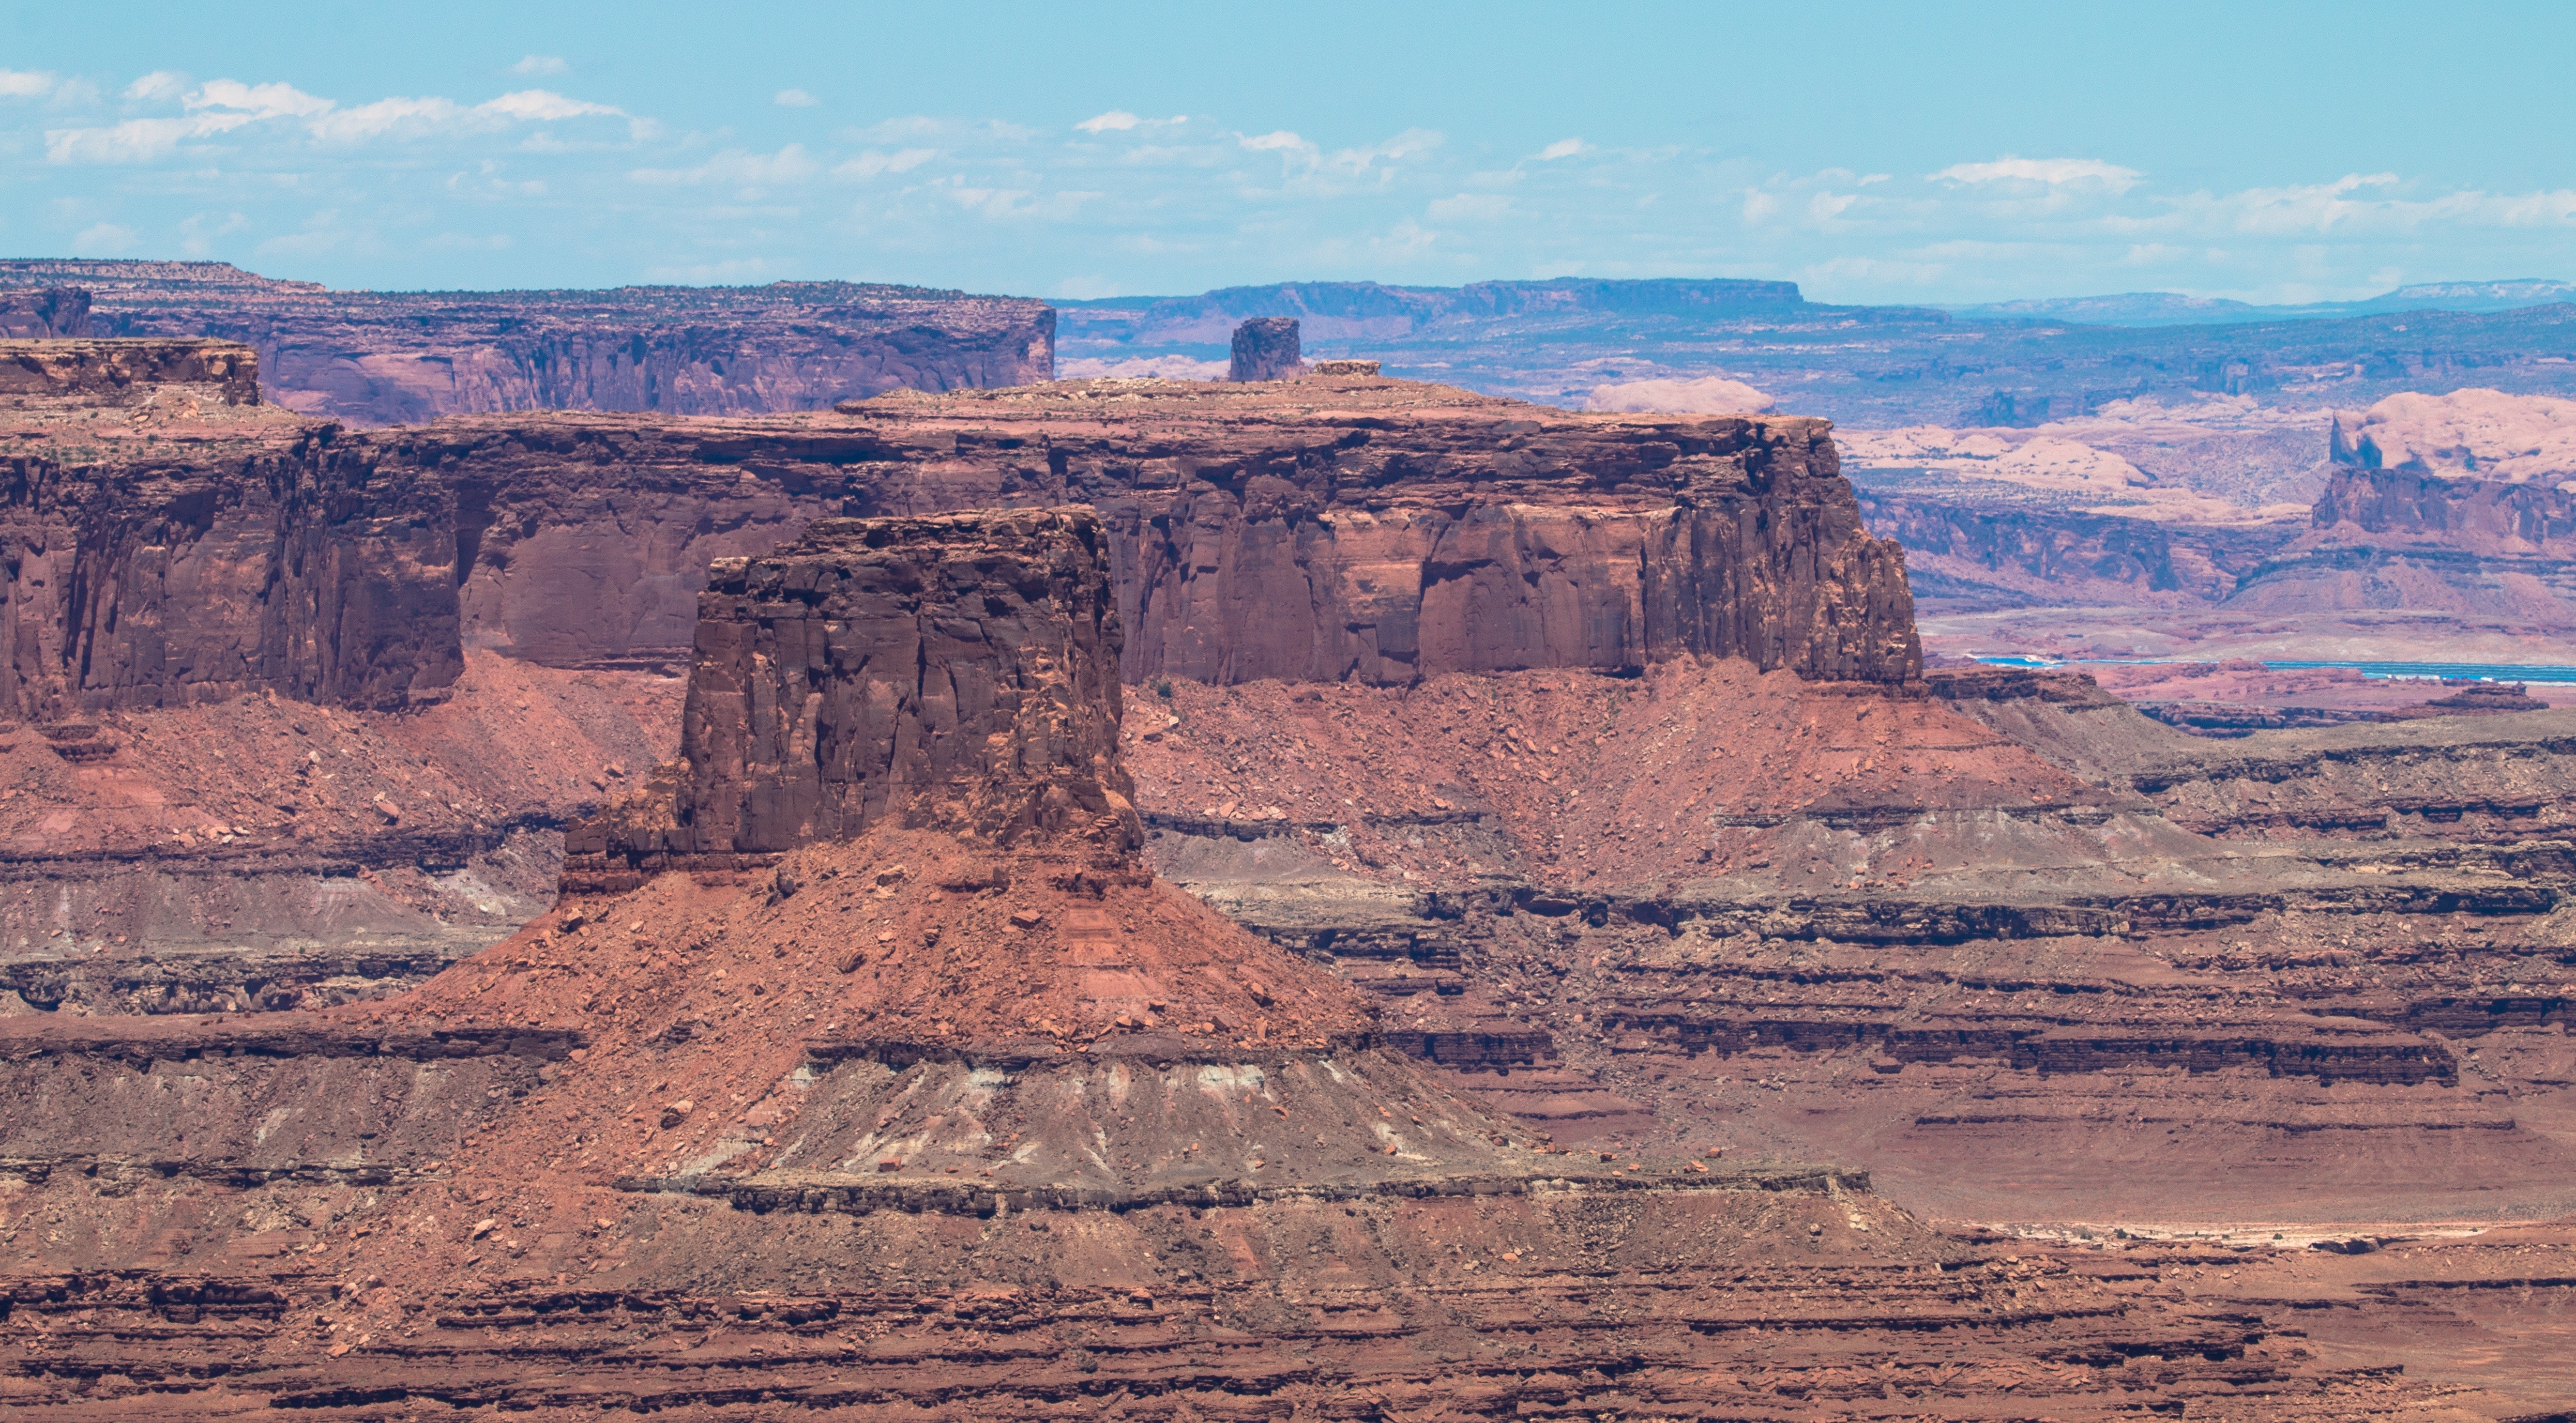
pixel 44 312
pixel 954 672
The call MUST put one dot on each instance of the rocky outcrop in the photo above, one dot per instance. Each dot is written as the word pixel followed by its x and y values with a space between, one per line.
pixel 2399 508
pixel 1265 348
pixel 2487 551
pixel 957 672
pixel 382 358
pixel 43 312
pixel 118 372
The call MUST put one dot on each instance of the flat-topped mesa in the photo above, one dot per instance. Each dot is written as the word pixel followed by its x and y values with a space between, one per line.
pixel 951 672
pixel 109 371
pixel 382 358
pixel 1355 528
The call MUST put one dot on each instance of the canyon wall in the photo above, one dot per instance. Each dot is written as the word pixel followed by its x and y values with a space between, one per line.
pixel 165 540
pixel 383 358
pixel 1422 529
pixel 1324 529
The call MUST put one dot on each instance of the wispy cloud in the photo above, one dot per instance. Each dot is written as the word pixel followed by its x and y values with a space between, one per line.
pixel 105 239
pixel 25 83
pixel 793 99
pixel 736 168
pixel 2055 172
pixel 871 163
pixel 541 64
pixel 159 86
pixel 221 106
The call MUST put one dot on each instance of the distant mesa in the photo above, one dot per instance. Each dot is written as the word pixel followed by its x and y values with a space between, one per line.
pixel 387 358
pixel 1265 348
pixel 1703 395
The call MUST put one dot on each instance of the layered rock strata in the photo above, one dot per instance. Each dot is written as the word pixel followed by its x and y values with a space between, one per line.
pixel 2008 921
pixel 954 1113
pixel 122 372
pixel 1032 1032
pixel 383 358
pixel 1428 530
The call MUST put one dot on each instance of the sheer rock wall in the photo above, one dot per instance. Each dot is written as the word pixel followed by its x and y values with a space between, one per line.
pixel 956 671
pixel 1324 529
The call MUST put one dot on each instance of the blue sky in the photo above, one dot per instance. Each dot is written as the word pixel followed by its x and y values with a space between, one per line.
pixel 1870 152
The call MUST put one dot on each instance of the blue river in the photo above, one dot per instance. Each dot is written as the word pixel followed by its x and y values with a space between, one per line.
pixel 2479 671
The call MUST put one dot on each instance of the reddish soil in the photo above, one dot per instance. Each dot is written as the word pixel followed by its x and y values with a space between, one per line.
pixel 1584 780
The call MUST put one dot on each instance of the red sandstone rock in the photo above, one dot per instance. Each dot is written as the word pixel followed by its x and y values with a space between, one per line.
pixel 1326 530
pixel 956 671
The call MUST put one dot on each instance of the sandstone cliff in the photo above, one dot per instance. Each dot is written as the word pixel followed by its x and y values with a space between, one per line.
pixel 1323 529
pixel 1265 348
pixel 119 372
pixel 1336 528
pixel 381 358
pixel 165 539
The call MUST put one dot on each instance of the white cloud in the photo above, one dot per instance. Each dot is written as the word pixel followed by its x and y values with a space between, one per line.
pixel 737 168
pixel 793 99
pixel 1117 119
pixel 198 231
pixel 871 163
pixel 1003 203
pixel 25 83
pixel 103 240
pixel 1564 148
pixel 1411 143
pixel 536 64
pixel 222 105
pixel 135 140
pixel 416 117
pixel 159 86
pixel 1281 141
pixel 2055 172
pixel 260 101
